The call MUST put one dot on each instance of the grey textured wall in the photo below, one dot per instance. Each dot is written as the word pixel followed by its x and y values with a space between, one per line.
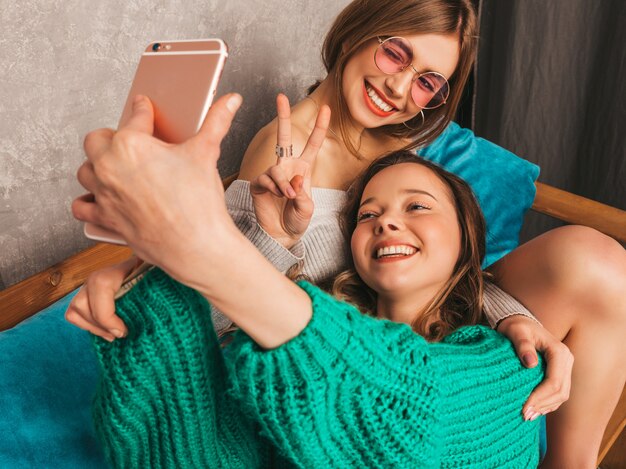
pixel 66 67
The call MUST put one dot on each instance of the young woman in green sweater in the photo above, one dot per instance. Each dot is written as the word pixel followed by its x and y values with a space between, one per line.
pixel 562 276
pixel 311 382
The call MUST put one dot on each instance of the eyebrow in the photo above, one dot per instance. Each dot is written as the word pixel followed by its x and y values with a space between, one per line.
pixel 403 191
pixel 409 51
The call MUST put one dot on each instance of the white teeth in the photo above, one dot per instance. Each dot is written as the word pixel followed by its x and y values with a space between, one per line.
pixel 382 105
pixel 402 250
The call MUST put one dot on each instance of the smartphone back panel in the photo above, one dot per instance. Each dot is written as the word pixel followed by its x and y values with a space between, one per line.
pixel 180 78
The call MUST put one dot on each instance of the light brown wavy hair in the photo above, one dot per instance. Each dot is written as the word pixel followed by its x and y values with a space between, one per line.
pixel 459 302
pixel 363 20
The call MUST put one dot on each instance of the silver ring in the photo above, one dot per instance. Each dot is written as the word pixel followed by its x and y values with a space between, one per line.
pixel 283 152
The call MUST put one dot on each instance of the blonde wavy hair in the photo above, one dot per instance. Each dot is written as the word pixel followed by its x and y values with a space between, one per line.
pixel 363 20
pixel 459 302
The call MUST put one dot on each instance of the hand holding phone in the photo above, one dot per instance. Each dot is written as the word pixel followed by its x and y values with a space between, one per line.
pixel 180 78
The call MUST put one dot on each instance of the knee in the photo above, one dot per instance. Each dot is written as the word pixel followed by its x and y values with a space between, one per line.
pixel 584 262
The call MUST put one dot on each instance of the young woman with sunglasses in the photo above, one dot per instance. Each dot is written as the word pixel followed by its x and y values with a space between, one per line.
pixel 571 278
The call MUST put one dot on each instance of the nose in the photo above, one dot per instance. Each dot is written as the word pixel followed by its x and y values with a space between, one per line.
pixel 386 223
pixel 399 84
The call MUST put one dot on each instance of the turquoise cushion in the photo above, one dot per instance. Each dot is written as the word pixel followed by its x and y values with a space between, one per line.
pixel 47 380
pixel 503 183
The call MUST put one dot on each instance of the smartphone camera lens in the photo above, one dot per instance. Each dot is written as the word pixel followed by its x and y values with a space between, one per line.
pixel 156 46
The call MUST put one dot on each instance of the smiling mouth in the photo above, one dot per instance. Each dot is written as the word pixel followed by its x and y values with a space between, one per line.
pixel 376 102
pixel 394 251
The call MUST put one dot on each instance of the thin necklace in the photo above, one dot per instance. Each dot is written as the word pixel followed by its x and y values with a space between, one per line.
pixel 318 110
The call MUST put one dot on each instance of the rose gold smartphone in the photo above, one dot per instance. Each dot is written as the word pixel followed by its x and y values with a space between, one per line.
pixel 180 78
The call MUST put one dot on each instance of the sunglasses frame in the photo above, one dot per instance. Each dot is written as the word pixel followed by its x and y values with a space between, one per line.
pixel 418 74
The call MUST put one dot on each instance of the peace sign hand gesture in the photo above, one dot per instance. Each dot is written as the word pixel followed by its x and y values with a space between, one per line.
pixel 282 194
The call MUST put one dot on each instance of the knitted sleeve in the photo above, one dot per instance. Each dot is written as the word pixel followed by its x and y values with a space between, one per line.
pixel 161 399
pixel 499 305
pixel 484 387
pixel 354 391
pixel 331 397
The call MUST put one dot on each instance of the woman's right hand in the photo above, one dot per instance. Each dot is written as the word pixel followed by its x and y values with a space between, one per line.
pixel 282 194
pixel 93 307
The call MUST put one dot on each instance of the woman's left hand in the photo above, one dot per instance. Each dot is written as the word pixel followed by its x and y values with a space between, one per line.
pixel 527 337
pixel 165 200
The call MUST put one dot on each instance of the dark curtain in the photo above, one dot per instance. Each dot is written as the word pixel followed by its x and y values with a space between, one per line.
pixel 551 87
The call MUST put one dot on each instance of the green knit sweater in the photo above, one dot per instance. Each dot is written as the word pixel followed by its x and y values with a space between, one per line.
pixel 348 391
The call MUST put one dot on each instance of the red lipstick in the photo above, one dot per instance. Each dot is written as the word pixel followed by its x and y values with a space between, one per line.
pixel 372 107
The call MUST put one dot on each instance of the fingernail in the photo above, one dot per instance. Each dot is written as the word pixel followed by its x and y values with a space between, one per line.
pixel 528 359
pixel 138 98
pixel 535 415
pixel 529 413
pixel 117 333
pixel 234 102
pixel 109 339
pixel 291 192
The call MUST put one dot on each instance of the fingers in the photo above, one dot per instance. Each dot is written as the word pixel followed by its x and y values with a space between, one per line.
pixel 93 307
pixel 283 137
pixel 217 123
pixel 142 116
pixel 97 142
pixel 526 352
pixel 274 180
pixel 296 182
pixel 78 312
pixel 554 390
pixel 79 321
pixel 102 287
pixel 263 184
pixel 547 397
pixel 102 305
pixel 280 179
pixel 316 139
pixel 85 209
pixel 302 202
pixel 87 177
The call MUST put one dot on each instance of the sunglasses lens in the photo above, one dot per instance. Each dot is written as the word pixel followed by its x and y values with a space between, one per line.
pixel 430 90
pixel 393 55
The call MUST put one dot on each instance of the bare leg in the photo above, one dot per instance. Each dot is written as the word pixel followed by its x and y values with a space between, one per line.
pixel 574 280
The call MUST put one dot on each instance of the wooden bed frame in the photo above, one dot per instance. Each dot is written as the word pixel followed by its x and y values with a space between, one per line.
pixel 26 298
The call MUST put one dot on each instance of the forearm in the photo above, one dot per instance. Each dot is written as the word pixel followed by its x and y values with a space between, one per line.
pixel 251 293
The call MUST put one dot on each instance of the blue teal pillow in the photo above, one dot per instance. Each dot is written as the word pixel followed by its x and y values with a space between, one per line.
pixel 48 376
pixel 503 183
